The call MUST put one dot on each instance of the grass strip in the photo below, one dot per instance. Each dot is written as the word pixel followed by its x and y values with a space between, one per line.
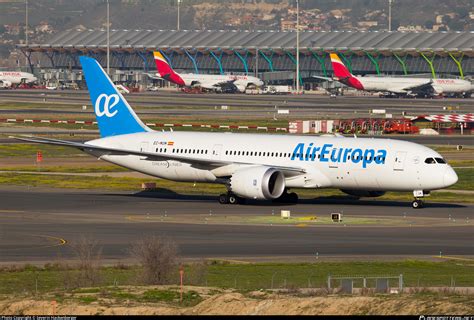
pixel 249 276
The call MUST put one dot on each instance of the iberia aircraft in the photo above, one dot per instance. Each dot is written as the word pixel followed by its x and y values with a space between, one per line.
pixel 10 78
pixel 399 85
pixel 255 166
pixel 206 81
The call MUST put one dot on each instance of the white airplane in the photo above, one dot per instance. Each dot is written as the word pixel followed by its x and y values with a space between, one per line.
pixel 207 81
pixel 10 78
pixel 399 85
pixel 255 166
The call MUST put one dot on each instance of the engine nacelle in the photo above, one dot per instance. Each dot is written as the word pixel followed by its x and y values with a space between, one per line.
pixel 260 183
pixel 364 193
pixel 5 84
pixel 241 86
pixel 437 89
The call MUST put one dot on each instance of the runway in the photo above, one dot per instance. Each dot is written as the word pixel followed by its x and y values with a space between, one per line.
pixel 171 103
pixel 38 224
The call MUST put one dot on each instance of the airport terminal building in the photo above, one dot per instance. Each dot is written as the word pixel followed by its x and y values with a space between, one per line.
pixel 270 54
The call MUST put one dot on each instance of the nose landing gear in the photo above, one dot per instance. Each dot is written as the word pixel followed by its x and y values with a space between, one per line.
pixel 418 203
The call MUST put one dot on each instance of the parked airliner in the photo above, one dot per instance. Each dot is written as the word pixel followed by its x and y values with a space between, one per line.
pixel 213 82
pixel 400 85
pixel 10 78
pixel 255 166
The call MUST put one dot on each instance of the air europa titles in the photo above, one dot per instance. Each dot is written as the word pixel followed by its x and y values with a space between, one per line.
pixel 328 153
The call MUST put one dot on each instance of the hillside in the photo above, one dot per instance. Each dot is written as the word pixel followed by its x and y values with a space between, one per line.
pixel 214 14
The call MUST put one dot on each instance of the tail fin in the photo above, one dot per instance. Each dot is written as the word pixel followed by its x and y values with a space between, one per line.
pixel 113 113
pixel 343 74
pixel 165 70
pixel 340 70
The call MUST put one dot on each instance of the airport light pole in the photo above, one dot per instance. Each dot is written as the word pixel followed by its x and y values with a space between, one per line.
pixel 26 31
pixel 390 2
pixel 297 46
pixel 177 27
pixel 108 38
pixel 26 22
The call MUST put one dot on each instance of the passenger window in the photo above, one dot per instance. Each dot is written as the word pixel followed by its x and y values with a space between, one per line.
pixel 440 160
pixel 430 161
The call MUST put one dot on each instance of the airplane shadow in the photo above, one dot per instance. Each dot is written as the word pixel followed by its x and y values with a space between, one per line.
pixel 166 194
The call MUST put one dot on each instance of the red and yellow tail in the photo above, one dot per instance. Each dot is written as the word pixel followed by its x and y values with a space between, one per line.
pixel 165 70
pixel 339 68
pixel 343 74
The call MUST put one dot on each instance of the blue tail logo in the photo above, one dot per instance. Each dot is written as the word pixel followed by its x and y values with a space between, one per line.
pixel 109 102
pixel 113 113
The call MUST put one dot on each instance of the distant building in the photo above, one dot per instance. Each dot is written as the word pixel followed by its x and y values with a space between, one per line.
pixel 288 25
pixel 367 24
pixel 214 52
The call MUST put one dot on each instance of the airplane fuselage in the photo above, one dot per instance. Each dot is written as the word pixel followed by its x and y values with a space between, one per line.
pixel 210 81
pixel 328 162
pixel 397 85
pixel 16 77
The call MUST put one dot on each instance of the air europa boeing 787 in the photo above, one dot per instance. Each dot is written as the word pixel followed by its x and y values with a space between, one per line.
pixel 255 166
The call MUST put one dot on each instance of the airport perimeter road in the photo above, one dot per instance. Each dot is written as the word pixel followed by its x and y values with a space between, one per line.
pixel 36 225
pixel 240 104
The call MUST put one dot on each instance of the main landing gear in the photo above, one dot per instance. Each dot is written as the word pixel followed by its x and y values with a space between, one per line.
pixel 418 203
pixel 287 198
pixel 230 198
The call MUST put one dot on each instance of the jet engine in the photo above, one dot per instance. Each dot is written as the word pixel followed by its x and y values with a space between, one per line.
pixel 5 84
pixel 260 183
pixel 241 86
pixel 364 193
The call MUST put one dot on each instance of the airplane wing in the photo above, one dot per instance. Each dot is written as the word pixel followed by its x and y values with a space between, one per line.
pixel 323 78
pixel 154 76
pixel 414 88
pixel 89 148
pixel 214 84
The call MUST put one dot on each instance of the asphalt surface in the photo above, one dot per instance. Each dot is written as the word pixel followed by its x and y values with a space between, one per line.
pixel 164 103
pixel 33 222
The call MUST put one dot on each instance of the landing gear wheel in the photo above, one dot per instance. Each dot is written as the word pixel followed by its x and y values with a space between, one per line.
pixel 223 198
pixel 233 199
pixel 417 204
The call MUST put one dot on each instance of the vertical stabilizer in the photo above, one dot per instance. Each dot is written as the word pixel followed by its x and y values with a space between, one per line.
pixel 165 70
pixel 113 113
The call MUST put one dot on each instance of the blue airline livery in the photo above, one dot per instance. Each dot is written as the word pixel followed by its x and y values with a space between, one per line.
pixel 328 153
pixel 255 166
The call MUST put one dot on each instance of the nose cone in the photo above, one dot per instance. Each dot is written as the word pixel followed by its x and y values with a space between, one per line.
pixel 450 177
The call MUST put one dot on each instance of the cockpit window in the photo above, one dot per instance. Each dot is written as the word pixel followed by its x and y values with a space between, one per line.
pixel 430 160
pixel 440 160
